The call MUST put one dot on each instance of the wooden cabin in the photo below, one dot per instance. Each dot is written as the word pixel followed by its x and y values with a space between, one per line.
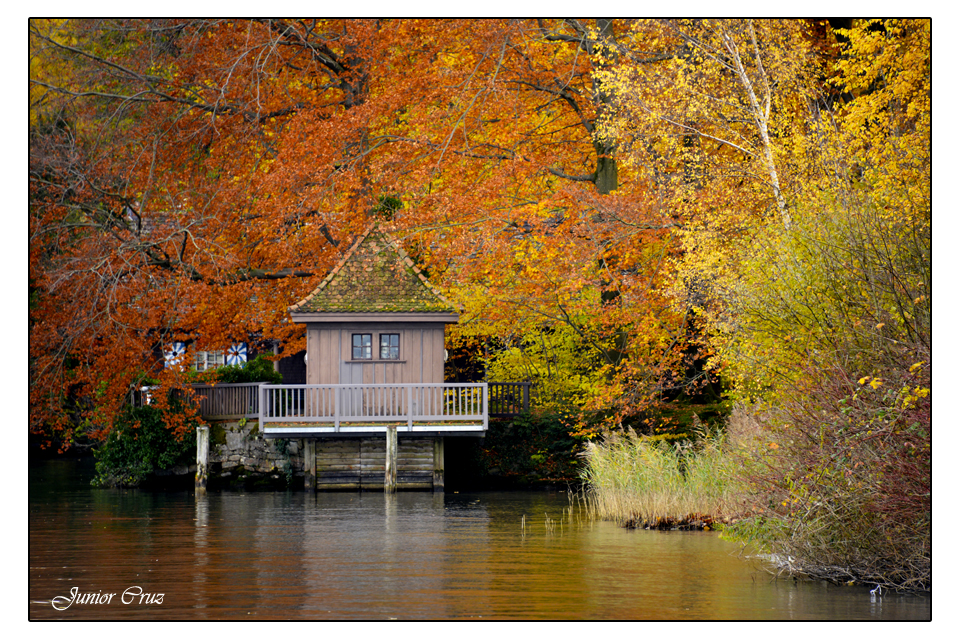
pixel 375 409
pixel 375 319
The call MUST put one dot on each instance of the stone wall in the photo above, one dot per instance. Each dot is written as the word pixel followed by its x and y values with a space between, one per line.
pixel 240 455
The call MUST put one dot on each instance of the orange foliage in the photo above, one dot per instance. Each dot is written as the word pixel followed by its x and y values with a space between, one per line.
pixel 191 179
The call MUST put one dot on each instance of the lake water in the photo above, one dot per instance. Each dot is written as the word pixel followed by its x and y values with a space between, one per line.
pixel 409 556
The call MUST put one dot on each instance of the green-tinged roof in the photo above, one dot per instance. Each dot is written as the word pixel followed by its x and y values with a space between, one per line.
pixel 375 275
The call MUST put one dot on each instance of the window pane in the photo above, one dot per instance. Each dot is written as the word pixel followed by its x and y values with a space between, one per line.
pixel 362 346
pixel 389 346
pixel 205 360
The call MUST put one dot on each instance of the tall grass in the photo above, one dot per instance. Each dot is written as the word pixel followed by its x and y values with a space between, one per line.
pixel 652 482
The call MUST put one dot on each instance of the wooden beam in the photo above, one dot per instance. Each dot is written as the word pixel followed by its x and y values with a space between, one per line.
pixel 203 450
pixel 390 470
pixel 310 465
pixel 438 464
pixel 368 317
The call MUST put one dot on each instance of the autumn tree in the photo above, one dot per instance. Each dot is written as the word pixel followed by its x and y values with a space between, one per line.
pixel 804 166
pixel 785 127
pixel 580 248
pixel 191 179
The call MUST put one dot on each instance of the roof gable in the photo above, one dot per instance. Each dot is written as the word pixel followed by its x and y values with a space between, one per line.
pixel 375 275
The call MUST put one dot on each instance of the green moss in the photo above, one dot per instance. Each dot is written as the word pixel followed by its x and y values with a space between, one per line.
pixel 218 436
pixel 376 278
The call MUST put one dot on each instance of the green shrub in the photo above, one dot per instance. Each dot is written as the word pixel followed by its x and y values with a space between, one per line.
pixel 139 445
pixel 531 446
pixel 259 370
pixel 847 495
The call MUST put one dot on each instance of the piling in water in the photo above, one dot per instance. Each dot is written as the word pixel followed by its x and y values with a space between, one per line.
pixel 203 449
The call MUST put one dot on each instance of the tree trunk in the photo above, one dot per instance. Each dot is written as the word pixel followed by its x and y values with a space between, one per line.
pixel 605 178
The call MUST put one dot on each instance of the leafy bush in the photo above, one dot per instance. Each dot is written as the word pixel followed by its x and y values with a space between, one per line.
pixel 259 370
pixel 566 371
pixel 833 324
pixel 531 446
pixel 139 445
pixel 846 495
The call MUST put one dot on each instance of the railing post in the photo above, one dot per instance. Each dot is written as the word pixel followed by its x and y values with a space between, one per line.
pixel 336 409
pixel 526 396
pixel 260 403
pixel 409 408
pixel 486 411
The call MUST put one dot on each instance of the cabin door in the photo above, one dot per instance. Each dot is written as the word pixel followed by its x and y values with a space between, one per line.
pixel 351 373
pixel 351 399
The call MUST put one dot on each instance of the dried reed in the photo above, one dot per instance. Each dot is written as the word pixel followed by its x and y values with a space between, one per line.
pixel 646 482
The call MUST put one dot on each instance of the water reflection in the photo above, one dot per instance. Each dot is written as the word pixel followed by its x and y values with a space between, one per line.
pixel 201 554
pixel 407 555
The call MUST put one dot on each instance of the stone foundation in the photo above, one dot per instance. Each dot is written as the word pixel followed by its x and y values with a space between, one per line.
pixel 239 456
pixel 238 451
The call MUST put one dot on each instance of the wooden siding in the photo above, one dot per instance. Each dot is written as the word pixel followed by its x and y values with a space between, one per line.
pixel 329 355
pixel 361 463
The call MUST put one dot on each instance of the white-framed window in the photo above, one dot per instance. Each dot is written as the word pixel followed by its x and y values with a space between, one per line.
pixel 362 346
pixel 207 360
pixel 236 355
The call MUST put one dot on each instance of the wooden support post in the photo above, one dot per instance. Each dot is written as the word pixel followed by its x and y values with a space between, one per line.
pixel 486 407
pixel 390 473
pixel 310 465
pixel 203 449
pixel 409 408
pixel 438 464
pixel 336 409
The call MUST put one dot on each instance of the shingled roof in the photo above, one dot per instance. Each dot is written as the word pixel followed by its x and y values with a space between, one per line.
pixel 374 276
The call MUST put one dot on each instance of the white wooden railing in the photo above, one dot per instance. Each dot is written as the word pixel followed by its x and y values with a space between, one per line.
pixel 373 403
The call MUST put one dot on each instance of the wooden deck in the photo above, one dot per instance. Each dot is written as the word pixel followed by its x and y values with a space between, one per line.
pixel 350 431
pixel 329 409
pixel 298 411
